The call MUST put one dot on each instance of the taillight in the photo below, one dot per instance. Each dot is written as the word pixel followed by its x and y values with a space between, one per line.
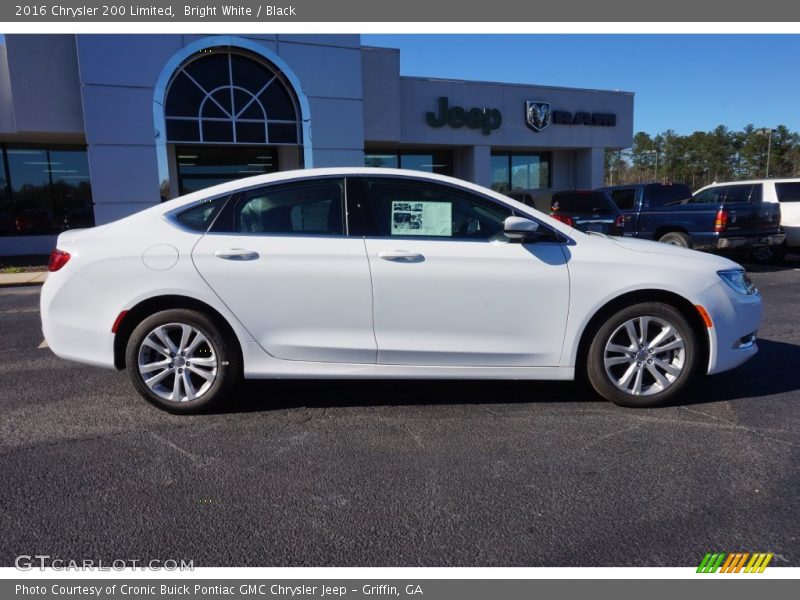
pixel 619 222
pixel 721 220
pixel 564 219
pixel 58 258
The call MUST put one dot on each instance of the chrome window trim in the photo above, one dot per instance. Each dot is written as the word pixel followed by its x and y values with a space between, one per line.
pixel 171 216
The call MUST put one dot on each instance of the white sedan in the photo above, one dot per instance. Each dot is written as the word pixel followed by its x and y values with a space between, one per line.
pixel 379 273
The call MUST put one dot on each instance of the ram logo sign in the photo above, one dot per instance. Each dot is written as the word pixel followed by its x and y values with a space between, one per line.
pixel 537 114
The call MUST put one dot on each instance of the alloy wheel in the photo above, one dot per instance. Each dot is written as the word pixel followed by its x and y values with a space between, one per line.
pixel 177 362
pixel 644 356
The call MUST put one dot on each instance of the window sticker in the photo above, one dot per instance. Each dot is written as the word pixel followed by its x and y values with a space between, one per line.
pixel 422 218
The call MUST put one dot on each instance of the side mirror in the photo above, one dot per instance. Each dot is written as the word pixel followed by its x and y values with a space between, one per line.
pixel 519 229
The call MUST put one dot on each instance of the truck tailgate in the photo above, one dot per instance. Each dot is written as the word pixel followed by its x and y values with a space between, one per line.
pixel 745 218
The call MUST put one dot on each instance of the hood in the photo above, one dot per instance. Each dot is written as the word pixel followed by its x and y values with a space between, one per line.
pixel 659 248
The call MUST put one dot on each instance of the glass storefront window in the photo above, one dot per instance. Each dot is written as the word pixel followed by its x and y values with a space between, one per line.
pixel 384 160
pixel 46 190
pixel 231 97
pixel 500 173
pixel 200 167
pixel 520 171
pixel 437 161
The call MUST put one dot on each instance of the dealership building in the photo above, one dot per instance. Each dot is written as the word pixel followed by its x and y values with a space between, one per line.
pixel 96 127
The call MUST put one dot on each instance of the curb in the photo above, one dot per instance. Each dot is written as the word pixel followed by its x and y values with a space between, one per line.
pixel 22 279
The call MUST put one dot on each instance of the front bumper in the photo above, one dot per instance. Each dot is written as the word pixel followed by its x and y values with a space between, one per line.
pixel 736 319
pixel 731 243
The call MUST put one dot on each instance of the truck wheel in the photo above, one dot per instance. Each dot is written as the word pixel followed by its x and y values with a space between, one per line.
pixel 676 238
pixel 642 356
pixel 768 254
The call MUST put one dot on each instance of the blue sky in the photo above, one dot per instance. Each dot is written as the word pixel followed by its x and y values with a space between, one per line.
pixel 682 82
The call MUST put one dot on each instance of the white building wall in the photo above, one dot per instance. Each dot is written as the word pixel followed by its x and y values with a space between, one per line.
pixel 118 79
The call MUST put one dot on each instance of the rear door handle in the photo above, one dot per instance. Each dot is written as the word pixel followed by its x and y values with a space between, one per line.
pixel 401 256
pixel 236 254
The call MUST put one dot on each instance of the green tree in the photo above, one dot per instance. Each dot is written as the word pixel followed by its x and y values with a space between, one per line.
pixel 705 157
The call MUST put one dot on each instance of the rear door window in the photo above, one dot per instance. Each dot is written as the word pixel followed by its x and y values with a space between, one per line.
pixel 788 191
pixel 307 207
pixel 666 195
pixel 625 199
pixel 712 195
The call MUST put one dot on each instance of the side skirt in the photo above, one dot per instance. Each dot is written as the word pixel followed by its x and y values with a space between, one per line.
pixel 260 365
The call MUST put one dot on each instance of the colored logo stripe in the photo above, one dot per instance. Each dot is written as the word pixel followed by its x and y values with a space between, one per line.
pixel 758 563
pixel 711 562
pixel 734 562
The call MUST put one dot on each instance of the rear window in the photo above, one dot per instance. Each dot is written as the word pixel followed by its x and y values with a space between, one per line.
pixel 580 202
pixel 199 218
pixel 664 195
pixel 788 192
pixel 624 199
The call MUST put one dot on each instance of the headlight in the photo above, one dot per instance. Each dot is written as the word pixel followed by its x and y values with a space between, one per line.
pixel 738 280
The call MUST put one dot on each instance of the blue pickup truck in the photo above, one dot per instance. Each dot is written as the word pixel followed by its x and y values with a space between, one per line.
pixel 727 217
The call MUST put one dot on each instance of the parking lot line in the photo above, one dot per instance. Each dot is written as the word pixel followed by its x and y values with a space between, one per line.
pixel 43 344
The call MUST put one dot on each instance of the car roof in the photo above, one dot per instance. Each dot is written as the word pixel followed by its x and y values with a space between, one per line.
pixel 629 185
pixel 277 177
pixel 751 181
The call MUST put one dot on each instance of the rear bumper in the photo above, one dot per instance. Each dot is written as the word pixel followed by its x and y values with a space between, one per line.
pixel 77 315
pixel 792 235
pixel 731 243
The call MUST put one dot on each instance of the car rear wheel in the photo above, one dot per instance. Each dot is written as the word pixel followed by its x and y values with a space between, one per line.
pixel 180 361
pixel 643 356
pixel 676 238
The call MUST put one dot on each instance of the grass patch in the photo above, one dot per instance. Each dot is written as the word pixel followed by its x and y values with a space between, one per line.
pixel 11 270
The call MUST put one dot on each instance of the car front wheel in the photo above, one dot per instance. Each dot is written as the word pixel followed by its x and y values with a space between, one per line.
pixel 180 361
pixel 642 356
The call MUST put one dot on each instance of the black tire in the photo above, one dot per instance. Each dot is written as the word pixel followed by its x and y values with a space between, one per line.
pixel 768 254
pixel 217 348
pixel 676 238
pixel 613 331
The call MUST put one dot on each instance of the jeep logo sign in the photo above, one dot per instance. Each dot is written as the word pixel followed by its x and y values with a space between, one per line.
pixel 485 119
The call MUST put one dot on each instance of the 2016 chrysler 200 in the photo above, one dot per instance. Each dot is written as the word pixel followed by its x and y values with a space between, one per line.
pixel 380 273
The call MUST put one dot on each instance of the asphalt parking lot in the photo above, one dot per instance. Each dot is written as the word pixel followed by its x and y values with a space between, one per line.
pixel 401 473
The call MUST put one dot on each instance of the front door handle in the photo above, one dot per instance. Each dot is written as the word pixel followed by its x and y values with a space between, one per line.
pixel 401 256
pixel 236 254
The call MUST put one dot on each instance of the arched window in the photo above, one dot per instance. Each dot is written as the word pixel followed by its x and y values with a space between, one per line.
pixel 225 96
